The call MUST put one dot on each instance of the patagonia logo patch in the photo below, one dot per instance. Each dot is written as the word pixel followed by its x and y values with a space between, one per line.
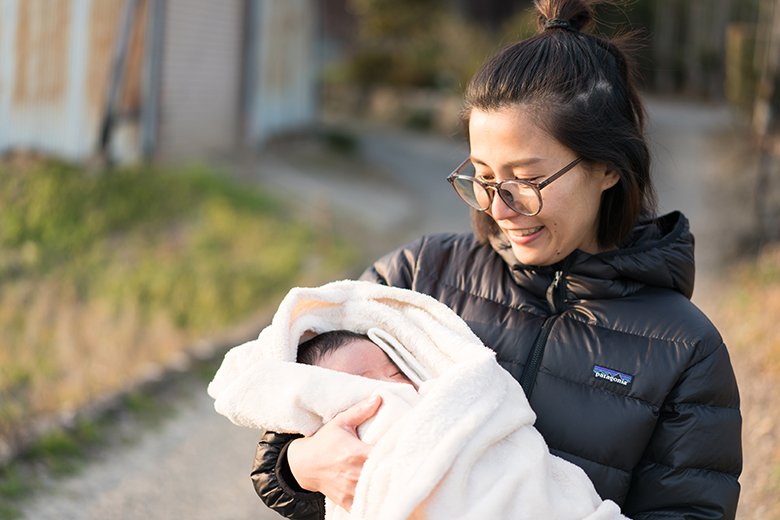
pixel 613 376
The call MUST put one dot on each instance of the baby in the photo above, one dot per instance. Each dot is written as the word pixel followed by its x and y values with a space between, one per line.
pixel 462 446
pixel 352 353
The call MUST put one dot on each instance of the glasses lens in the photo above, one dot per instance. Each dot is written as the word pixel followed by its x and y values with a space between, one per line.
pixel 521 197
pixel 472 192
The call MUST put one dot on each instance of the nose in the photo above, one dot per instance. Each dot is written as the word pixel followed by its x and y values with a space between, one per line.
pixel 498 208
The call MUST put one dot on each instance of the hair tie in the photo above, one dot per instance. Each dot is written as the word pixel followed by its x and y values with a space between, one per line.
pixel 558 23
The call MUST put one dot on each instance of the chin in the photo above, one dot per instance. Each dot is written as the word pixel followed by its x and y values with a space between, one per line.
pixel 531 257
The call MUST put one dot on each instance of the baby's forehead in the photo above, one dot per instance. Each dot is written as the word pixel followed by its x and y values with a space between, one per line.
pixel 364 345
pixel 354 357
pixel 362 348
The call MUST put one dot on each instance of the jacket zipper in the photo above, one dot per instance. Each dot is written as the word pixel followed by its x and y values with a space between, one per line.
pixel 555 298
pixel 531 369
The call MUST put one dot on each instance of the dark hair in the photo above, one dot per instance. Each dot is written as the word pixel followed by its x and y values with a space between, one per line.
pixel 579 88
pixel 312 350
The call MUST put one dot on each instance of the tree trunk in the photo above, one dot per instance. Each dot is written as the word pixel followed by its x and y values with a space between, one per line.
pixel 695 43
pixel 765 122
pixel 665 43
pixel 721 16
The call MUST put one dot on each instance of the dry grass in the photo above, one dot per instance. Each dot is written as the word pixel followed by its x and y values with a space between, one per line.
pixel 748 316
pixel 103 277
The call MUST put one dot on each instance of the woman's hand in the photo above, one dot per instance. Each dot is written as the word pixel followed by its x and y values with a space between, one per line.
pixel 330 461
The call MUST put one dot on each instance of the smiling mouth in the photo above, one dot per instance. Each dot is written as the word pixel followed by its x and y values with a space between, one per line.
pixel 523 232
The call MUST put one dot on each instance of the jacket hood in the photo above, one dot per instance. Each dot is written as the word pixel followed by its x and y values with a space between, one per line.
pixel 659 253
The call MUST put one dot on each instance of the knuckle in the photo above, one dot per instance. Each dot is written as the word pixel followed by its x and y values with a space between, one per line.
pixel 356 460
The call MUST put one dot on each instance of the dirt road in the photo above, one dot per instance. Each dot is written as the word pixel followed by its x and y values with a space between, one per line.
pixel 196 464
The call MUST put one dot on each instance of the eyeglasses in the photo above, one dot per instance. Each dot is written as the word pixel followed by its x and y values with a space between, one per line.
pixel 523 197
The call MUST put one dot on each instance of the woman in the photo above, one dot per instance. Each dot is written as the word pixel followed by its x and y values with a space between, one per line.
pixel 584 296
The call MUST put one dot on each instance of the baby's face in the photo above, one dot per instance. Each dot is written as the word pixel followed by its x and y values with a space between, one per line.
pixel 363 358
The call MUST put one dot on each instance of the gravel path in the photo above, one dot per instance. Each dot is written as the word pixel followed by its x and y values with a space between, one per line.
pixel 196 464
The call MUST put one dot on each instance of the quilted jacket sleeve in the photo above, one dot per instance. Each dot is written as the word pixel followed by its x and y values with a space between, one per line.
pixel 275 484
pixel 691 465
pixel 397 268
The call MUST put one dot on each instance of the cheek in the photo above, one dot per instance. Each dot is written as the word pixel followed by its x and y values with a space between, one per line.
pixel 569 219
pixel 554 216
pixel 576 207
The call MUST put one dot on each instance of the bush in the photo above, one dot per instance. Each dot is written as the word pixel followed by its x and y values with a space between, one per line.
pixel 103 274
pixel 442 52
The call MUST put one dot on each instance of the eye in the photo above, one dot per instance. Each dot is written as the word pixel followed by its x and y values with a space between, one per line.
pixel 399 376
pixel 529 176
pixel 487 177
pixel 533 180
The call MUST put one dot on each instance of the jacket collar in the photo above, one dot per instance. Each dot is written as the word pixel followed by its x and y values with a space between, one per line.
pixel 659 253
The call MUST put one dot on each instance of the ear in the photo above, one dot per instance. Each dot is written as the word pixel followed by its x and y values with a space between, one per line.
pixel 610 178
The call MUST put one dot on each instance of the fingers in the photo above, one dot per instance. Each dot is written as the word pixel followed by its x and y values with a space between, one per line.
pixel 330 461
pixel 359 413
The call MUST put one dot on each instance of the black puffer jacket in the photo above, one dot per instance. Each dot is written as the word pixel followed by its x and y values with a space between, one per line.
pixel 629 380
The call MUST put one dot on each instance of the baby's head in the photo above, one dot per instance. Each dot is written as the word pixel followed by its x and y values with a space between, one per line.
pixel 352 353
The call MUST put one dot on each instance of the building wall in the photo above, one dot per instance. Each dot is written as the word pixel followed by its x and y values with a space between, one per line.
pixel 201 78
pixel 282 93
pixel 232 73
pixel 55 58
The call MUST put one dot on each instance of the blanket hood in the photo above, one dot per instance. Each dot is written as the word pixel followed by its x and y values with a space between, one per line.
pixel 435 339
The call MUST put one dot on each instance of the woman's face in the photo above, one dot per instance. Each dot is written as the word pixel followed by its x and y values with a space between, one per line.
pixel 506 144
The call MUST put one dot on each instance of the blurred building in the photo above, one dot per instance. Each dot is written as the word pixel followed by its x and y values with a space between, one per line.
pixel 160 79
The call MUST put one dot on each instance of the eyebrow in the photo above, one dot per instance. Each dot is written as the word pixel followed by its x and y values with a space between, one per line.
pixel 518 163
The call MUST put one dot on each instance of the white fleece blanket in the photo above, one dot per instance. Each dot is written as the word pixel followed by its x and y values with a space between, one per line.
pixel 462 447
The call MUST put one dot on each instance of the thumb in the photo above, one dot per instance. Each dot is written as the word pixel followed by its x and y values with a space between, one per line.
pixel 361 412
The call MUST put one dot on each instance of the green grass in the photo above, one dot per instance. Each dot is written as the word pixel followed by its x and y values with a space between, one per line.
pixel 102 274
pixel 11 484
pixel 57 453
pixel 13 487
pixel 65 451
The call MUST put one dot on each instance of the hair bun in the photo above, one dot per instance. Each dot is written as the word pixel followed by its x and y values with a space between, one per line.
pixel 571 15
pixel 558 23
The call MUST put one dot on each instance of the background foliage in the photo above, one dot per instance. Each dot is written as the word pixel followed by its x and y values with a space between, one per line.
pixel 101 275
pixel 440 43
